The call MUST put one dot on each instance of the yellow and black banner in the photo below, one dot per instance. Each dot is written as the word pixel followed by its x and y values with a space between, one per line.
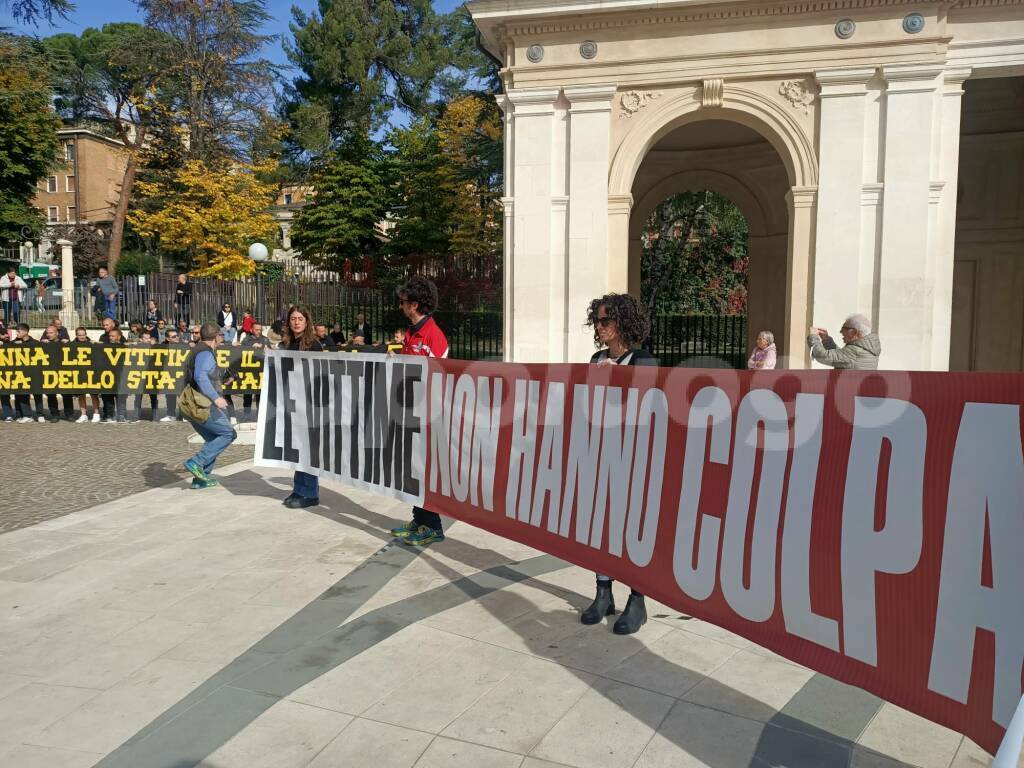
pixel 108 369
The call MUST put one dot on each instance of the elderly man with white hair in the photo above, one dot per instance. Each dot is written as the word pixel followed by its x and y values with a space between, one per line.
pixel 861 350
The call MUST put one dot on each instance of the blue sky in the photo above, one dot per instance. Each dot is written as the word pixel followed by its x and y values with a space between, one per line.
pixel 96 13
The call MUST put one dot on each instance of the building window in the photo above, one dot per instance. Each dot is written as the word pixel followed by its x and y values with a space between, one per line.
pixel 52 214
pixel 69 151
pixel 69 182
pixel 51 184
pixel 287 198
pixel 72 214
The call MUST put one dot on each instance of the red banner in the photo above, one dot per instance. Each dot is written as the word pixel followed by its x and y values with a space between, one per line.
pixel 866 525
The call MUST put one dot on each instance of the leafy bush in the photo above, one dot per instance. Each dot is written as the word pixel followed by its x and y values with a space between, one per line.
pixel 137 263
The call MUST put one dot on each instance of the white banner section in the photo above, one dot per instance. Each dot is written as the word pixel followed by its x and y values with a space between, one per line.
pixel 355 418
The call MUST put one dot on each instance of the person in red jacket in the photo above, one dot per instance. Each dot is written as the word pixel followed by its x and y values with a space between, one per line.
pixel 417 299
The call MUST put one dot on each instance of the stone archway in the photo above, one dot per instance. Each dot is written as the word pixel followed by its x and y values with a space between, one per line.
pixel 744 146
pixel 707 150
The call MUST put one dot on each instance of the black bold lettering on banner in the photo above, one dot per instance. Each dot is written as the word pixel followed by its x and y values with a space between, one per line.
pixel 410 427
pixel 383 427
pixel 355 374
pixel 290 452
pixel 371 467
pixel 270 448
pixel 338 369
pixel 312 429
pixel 324 411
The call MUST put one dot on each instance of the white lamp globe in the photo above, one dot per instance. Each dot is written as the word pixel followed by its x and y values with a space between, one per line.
pixel 258 252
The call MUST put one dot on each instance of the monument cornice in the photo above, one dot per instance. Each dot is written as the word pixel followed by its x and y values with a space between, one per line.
pixel 533 17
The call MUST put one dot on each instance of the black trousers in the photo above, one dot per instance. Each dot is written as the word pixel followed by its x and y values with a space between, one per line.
pixel 429 519
pixel 137 407
pixel 115 405
pixel 69 406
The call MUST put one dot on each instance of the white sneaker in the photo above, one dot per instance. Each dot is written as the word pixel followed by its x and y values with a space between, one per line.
pixel 25 420
pixel 167 418
pixel 95 418
pixel 41 419
pixel 234 421
pixel 81 419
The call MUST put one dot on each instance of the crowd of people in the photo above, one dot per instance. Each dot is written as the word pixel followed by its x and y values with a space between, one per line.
pixel 153 329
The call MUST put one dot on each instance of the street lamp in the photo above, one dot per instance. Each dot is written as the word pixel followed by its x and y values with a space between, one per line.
pixel 258 253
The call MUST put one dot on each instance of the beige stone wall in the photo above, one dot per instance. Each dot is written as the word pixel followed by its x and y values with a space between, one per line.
pixel 100 170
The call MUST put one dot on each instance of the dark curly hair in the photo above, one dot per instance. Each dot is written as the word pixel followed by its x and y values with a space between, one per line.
pixel 629 315
pixel 421 291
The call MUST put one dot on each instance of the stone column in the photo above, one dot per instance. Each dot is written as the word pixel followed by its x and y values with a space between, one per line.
pixel 286 235
pixel 945 210
pixel 528 292
pixel 793 343
pixel 592 269
pixel 508 208
pixel 68 315
pixel 906 288
pixel 839 271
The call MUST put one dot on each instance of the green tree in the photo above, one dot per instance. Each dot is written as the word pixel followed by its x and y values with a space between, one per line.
pixel 217 86
pixel 28 135
pixel 695 256
pixel 358 62
pixel 111 79
pixel 338 228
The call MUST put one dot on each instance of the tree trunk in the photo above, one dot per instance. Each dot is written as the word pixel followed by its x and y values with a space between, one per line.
pixel 120 213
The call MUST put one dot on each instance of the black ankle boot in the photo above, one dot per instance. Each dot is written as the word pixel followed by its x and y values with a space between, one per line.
pixel 634 617
pixel 603 605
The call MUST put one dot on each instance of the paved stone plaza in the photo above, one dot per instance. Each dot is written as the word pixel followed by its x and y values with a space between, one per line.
pixel 172 628
pixel 65 467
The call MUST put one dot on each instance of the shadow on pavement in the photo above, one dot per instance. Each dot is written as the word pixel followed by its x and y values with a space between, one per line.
pixel 311 643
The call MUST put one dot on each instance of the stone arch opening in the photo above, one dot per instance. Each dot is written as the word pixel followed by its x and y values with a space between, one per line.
pixel 737 162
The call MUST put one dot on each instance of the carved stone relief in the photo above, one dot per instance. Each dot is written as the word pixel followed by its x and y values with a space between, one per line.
pixel 632 102
pixel 797 94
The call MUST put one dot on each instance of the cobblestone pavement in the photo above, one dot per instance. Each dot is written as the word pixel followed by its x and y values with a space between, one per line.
pixel 64 467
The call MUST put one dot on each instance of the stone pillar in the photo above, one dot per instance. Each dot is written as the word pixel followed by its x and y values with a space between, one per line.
pixel 839 270
pixel 528 264
pixel 945 232
pixel 508 208
pixel 68 315
pixel 906 287
pixel 793 342
pixel 593 268
pixel 286 235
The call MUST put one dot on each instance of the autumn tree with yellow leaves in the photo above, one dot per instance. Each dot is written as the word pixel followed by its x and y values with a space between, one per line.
pixel 210 215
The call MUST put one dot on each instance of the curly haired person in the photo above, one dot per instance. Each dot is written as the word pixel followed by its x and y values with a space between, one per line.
pixel 621 325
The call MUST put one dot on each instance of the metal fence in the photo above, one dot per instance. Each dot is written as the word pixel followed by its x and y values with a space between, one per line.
pixel 700 341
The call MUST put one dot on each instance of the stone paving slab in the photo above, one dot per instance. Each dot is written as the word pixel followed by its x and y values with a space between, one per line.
pixel 65 467
pixel 173 628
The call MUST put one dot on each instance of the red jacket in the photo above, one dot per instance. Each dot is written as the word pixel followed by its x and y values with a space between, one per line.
pixel 426 339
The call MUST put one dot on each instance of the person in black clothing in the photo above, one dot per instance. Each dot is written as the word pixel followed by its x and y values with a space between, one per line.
pixel 620 326
pixel 115 406
pixel 183 299
pixel 338 335
pixel 21 402
pixel 324 338
pixel 299 336
pixel 51 336
pixel 172 340
pixel 62 332
pixel 362 329
pixel 257 341
pixel 153 316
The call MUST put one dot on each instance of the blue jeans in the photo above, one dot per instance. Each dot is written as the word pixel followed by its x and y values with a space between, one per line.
pixel 229 334
pixel 12 312
pixel 111 308
pixel 218 434
pixel 305 485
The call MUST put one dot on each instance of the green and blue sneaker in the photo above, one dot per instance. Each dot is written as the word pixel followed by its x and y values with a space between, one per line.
pixel 198 484
pixel 424 536
pixel 197 471
pixel 405 530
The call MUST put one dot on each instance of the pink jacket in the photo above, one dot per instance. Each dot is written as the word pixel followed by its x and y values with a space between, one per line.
pixel 766 358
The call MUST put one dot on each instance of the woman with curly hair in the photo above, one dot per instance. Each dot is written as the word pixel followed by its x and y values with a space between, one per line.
pixel 620 326
pixel 300 336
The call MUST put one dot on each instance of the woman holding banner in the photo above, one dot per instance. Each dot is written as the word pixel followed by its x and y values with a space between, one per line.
pixel 299 336
pixel 620 326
